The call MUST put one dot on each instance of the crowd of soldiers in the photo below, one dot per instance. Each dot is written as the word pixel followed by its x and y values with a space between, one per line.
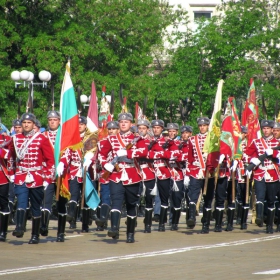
pixel 147 161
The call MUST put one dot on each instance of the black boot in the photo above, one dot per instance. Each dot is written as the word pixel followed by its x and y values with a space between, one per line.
pixel 175 219
pixel 115 225
pixel 192 215
pixel 130 229
pixel 270 220
pixel 45 218
pixel 35 230
pixel 244 216
pixel 187 214
pixel 4 221
pixel 278 221
pixel 12 212
pixel 85 214
pixel 103 216
pixel 162 218
pixel 238 212
pixel 259 214
pixel 72 211
pixel 27 217
pixel 19 230
pixel 219 218
pixel 98 217
pixel 148 220
pixel 206 221
pixel 230 215
pixel 61 228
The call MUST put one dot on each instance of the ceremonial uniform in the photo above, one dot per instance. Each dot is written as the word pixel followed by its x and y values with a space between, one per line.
pixel 197 171
pixel 148 178
pixel 162 172
pixel 4 187
pixel 177 179
pixel 104 209
pixel 71 161
pixel 124 180
pixel 241 203
pixel 27 153
pixel 265 175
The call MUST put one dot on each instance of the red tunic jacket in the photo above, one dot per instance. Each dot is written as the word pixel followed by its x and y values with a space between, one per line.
pixel 269 170
pixel 4 145
pixel 27 157
pixel 128 173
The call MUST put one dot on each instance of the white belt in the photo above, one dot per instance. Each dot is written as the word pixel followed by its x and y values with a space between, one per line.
pixel 267 167
pixel 144 165
pixel 21 168
pixel 160 165
pixel 196 163
pixel 78 164
pixel 126 165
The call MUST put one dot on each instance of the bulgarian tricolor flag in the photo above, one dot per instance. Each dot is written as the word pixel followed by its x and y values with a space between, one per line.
pixel 68 135
pixel 212 141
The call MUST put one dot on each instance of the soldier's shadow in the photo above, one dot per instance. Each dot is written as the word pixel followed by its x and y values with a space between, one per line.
pixel 110 240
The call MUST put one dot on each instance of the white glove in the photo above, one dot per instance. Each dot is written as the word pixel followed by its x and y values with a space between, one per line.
pixel 255 161
pixel 186 181
pixel 234 166
pixel 269 152
pixel 87 163
pixel 60 169
pixel 45 185
pixel 248 173
pixel 89 155
pixel 121 153
pixel 12 178
pixel 109 167
pixel 221 159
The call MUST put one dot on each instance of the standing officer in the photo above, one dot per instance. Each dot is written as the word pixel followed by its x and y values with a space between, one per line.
pixel 148 175
pixel 17 128
pixel 196 171
pixel 103 210
pixel 162 171
pixel 25 166
pixel 177 179
pixel 4 186
pixel 50 134
pixel 125 177
pixel 266 173
pixel 239 166
pixel 71 161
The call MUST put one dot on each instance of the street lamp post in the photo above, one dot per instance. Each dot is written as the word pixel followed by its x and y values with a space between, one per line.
pixel 26 78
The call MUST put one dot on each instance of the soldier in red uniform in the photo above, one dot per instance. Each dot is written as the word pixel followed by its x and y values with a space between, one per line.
pixel 17 128
pixel 147 173
pixel 266 173
pixel 162 171
pixel 186 133
pixel 70 162
pixel 239 166
pixel 4 185
pixel 50 134
pixel 177 179
pixel 104 209
pixel 27 153
pixel 124 180
pixel 196 170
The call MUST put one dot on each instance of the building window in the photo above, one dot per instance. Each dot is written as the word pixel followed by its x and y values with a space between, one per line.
pixel 198 15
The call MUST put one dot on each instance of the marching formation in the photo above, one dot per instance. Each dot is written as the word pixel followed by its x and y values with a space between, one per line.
pixel 136 162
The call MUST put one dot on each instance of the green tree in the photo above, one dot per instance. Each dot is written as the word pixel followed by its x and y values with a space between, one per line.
pixel 108 41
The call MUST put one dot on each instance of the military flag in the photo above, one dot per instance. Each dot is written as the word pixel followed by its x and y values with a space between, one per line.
pixel 212 141
pixel 68 135
pixel 250 115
